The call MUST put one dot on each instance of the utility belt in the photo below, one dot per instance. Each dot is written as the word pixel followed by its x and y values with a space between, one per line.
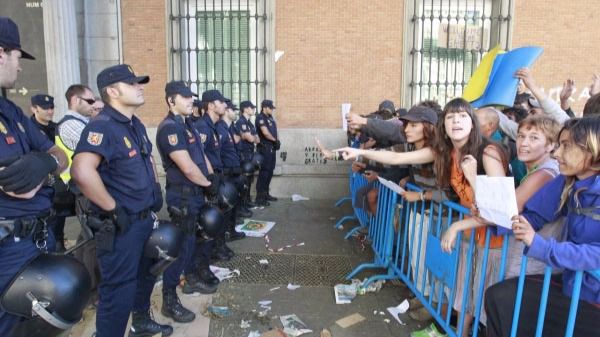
pixel 232 171
pixel 105 229
pixel 20 228
pixel 186 190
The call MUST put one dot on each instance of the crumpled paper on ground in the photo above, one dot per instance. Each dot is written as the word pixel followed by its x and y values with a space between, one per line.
pixel 293 326
pixel 298 197
pixel 224 273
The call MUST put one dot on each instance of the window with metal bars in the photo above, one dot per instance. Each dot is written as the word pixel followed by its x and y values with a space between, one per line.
pixel 221 45
pixel 445 41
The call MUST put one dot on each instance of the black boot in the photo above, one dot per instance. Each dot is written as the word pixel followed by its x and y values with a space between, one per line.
pixel 206 275
pixel 270 197
pixel 171 307
pixel 261 200
pixel 193 284
pixel 143 325
pixel 231 234
pixel 244 212
pixel 222 252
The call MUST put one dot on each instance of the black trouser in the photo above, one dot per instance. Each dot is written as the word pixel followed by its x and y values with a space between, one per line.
pixel 500 302
pixel 265 174
pixel 56 223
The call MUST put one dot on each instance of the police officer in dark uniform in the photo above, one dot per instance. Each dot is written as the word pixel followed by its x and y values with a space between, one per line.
pixel 27 157
pixel 249 138
pixel 213 107
pixel 114 169
pixel 42 111
pixel 187 170
pixel 231 169
pixel 269 144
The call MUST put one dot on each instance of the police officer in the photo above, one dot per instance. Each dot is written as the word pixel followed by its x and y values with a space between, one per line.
pixel 231 169
pixel 249 139
pixel 269 144
pixel 187 169
pixel 27 157
pixel 42 111
pixel 113 168
pixel 213 106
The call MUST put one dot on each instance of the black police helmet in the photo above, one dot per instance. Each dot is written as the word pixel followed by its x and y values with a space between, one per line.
pixel 164 241
pixel 228 196
pixel 164 245
pixel 248 168
pixel 258 159
pixel 240 182
pixel 54 287
pixel 210 220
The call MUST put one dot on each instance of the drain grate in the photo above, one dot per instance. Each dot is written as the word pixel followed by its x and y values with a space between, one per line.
pixel 321 270
pixel 279 270
pixel 305 270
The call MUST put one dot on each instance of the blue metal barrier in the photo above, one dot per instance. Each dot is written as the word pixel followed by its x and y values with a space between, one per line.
pixel 342 200
pixel 360 213
pixel 413 254
pixel 381 232
pixel 354 182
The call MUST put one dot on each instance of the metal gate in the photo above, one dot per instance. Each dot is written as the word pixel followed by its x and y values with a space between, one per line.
pixel 221 45
pixel 445 41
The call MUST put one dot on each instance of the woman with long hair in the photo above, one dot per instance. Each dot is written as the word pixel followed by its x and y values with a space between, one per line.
pixel 460 153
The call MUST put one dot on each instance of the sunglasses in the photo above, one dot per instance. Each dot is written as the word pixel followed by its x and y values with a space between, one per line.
pixel 89 101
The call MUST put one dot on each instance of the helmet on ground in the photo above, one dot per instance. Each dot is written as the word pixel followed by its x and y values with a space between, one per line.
pixel 55 288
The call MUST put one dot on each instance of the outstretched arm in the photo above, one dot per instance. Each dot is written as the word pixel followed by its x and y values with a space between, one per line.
pixel 422 156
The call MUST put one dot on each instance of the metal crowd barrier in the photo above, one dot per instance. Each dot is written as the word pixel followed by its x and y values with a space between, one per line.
pixel 412 253
pixel 357 181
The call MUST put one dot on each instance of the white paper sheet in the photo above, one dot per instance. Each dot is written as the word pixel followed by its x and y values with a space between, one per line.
pixel 255 228
pixel 496 199
pixel 400 309
pixel 391 185
pixel 345 111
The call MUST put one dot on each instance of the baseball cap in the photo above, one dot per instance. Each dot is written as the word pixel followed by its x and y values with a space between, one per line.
pixel 246 104
pixel 267 103
pixel 230 105
pixel 387 105
pixel 119 73
pixel 43 101
pixel 9 37
pixel 178 87
pixel 421 114
pixel 212 95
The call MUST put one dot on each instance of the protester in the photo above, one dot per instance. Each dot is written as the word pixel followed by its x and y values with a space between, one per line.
pixel 575 195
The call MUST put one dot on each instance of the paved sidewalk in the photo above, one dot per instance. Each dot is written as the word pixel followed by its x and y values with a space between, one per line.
pixel 323 261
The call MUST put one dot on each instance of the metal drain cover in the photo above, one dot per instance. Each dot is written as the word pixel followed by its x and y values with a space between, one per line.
pixel 305 270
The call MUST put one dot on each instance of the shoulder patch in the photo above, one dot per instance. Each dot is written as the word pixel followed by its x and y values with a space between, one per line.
pixel 95 138
pixel 3 128
pixel 261 122
pixel 244 127
pixel 173 139
pixel 203 138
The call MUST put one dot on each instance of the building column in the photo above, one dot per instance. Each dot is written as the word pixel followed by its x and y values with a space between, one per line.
pixel 62 50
